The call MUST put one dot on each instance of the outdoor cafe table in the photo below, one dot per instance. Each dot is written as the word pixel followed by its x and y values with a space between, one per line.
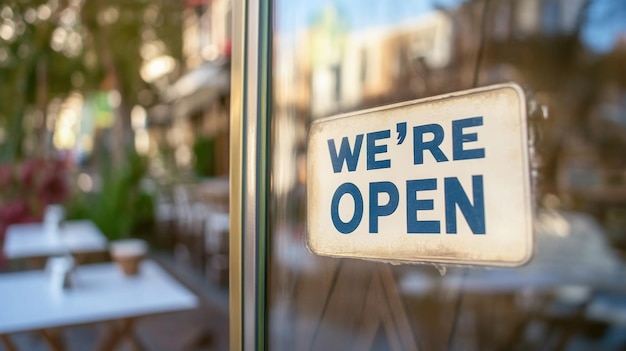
pixel 31 240
pixel 100 293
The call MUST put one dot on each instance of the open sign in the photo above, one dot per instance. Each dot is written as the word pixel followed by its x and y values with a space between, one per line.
pixel 445 179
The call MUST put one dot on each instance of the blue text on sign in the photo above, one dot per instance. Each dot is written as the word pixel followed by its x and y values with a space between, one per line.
pixel 426 138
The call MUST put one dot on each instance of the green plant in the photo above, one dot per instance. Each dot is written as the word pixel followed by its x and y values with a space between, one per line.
pixel 204 153
pixel 121 208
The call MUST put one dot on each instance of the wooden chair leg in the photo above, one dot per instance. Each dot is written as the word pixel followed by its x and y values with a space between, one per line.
pixel 6 342
pixel 52 339
pixel 116 335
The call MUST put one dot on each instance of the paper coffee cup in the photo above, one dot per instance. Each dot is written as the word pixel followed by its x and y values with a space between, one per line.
pixel 128 254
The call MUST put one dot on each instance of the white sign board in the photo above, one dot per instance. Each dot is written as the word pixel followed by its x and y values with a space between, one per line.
pixel 444 179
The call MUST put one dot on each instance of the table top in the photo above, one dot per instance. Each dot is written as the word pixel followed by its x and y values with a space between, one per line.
pixel 31 239
pixel 100 293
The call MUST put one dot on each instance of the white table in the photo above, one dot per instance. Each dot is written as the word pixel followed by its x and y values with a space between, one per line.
pixel 31 240
pixel 100 293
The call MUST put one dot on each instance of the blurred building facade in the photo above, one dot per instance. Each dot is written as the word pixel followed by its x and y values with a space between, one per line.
pixel 192 122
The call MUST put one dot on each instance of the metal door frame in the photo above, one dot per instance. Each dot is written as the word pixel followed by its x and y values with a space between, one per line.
pixel 249 172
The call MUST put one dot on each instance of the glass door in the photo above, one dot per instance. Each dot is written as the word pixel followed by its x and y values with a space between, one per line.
pixel 300 61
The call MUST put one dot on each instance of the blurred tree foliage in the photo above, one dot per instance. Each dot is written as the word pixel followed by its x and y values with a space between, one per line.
pixel 50 48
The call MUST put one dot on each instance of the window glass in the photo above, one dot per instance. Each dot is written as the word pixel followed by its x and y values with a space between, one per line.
pixel 338 56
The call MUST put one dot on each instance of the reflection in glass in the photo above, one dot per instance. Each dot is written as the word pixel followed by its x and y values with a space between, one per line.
pixel 339 56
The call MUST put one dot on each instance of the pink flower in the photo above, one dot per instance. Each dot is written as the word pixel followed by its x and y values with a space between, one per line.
pixel 6 175
pixel 29 171
pixel 26 189
pixel 52 188
pixel 15 212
